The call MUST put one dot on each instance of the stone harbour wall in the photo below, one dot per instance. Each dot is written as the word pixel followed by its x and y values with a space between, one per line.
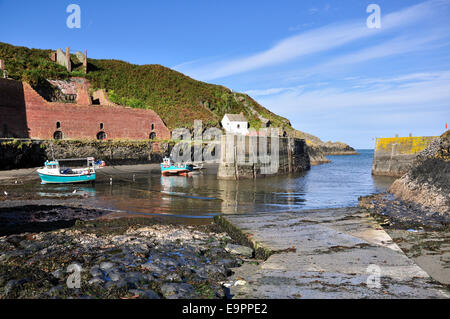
pixel 394 156
pixel 15 154
pixel 293 158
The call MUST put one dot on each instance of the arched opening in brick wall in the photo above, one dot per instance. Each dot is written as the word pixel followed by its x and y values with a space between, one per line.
pixel 58 135
pixel 101 136
pixel 5 131
pixel 152 135
pixel 58 125
pixel 102 126
pixel 153 127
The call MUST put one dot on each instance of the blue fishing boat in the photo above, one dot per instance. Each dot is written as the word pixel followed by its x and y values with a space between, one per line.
pixel 170 168
pixel 54 173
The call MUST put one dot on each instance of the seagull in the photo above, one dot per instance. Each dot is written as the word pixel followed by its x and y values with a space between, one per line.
pixel 6 194
pixel 74 191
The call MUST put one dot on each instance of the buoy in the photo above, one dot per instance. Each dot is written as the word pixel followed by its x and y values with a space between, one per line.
pixel 6 194
pixel 110 181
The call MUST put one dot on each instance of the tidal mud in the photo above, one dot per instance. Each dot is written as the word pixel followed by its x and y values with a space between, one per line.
pixel 119 258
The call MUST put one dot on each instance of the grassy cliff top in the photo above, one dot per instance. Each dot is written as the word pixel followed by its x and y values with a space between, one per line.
pixel 177 98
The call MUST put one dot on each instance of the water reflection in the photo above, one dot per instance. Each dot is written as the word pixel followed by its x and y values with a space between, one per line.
pixel 337 184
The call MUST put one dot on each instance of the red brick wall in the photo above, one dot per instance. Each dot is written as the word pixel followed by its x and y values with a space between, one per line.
pixel 82 121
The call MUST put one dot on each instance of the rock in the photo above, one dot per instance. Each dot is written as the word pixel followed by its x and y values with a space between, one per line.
pixel 173 277
pixel 216 270
pixel 114 276
pixel 152 268
pixel 240 283
pixel 96 272
pixel 239 250
pixel 14 283
pixel 148 294
pixel 59 274
pixel 229 263
pixel 135 280
pixel 55 290
pixel 117 284
pixel 106 265
pixel 201 272
pixel 96 281
pixel 177 290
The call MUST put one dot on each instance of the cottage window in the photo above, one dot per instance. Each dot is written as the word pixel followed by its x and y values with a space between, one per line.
pixel 101 126
pixel 58 125
pixel 152 135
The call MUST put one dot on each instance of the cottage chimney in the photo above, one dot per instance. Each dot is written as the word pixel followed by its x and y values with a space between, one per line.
pixel 68 63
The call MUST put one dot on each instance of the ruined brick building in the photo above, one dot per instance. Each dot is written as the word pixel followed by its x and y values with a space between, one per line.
pixel 64 59
pixel 24 113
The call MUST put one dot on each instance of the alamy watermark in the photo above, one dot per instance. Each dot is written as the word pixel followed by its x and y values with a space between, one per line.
pixel 74 19
pixel 74 279
pixel 374 20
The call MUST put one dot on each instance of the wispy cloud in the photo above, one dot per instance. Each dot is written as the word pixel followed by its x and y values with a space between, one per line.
pixel 314 41
pixel 402 92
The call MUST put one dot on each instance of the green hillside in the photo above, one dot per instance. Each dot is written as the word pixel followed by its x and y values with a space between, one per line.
pixel 177 98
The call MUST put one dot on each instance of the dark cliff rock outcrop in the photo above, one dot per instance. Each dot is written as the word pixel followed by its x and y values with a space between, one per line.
pixel 317 149
pixel 316 155
pixel 427 182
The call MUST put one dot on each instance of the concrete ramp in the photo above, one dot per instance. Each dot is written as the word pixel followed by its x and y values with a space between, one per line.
pixel 324 254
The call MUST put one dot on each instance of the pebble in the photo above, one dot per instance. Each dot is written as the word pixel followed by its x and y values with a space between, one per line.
pixel 96 280
pixel 106 265
pixel 114 276
pixel 149 294
pixel 96 272
pixel 59 274
pixel 124 262
pixel 175 290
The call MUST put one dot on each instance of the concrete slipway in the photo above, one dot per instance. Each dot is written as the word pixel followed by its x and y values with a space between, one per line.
pixel 323 254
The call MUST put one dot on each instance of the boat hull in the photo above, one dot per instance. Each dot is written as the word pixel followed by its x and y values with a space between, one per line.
pixel 175 170
pixel 66 179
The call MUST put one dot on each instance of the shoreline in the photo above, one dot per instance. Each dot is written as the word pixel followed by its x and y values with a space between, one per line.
pixel 424 236
pixel 30 271
pixel 125 258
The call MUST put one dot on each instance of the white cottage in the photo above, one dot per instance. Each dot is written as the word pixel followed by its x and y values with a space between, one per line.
pixel 235 123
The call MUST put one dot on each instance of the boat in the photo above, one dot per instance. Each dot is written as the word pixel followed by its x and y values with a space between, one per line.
pixel 170 168
pixel 54 173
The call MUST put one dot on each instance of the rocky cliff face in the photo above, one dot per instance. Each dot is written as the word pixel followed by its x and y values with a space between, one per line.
pixel 317 149
pixel 427 182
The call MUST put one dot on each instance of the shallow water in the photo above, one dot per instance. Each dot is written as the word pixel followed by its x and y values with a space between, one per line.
pixel 338 184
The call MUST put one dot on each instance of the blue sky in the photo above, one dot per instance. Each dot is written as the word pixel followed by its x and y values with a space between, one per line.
pixel 315 62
